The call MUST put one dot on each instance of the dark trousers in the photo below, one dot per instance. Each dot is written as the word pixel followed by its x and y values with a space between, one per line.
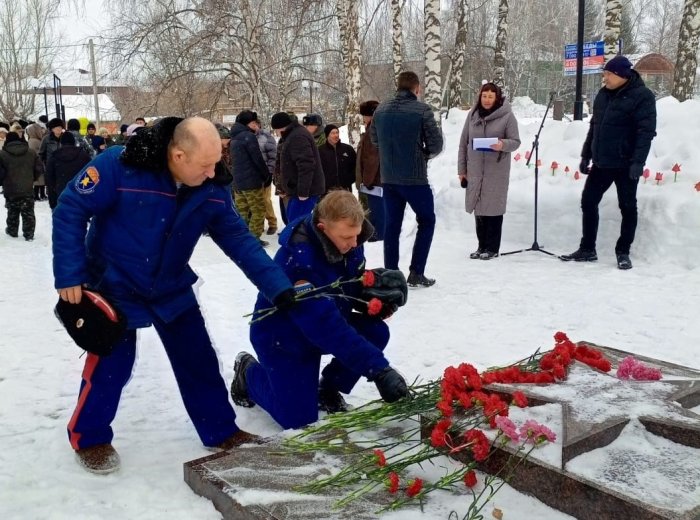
pixel 488 232
pixel 376 216
pixel 284 201
pixel 420 199
pixel 196 369
pixel 597 183
pixel 24 207
pixel 285 382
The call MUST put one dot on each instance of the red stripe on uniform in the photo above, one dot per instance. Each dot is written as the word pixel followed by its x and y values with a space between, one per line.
pixel 88 371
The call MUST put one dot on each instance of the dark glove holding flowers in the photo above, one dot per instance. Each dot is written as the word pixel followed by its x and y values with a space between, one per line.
pixel 387 285
pixel 583 167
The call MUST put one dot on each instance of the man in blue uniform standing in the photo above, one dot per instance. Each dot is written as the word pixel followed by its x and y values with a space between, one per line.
pixel 407 136
pixel 145 206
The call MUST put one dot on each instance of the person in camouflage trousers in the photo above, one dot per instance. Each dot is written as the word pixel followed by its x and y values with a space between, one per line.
pixel 20 166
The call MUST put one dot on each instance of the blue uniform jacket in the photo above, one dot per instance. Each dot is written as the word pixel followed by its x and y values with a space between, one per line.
pixel 318 325
pixel 141 233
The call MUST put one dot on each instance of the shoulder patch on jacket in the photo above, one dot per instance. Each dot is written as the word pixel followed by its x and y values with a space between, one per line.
pixel 86 182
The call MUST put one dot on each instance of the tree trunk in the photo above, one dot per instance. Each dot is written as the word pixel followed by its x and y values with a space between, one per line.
pixel 432 56
pixel 353 66
pixel 457 64
pixel 396 37
pixel 499 59
pixel 613 16
pixel 686 62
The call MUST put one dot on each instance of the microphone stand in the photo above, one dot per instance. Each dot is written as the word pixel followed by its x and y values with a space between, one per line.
pixel 536 149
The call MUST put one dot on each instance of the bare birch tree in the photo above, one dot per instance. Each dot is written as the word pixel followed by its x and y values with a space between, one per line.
pixel 457 60
pixel 499 58
pixel 432 56
pixel 350 49
pixel 613 18
pixel 27 50
pixel 686 62
pixel 396 37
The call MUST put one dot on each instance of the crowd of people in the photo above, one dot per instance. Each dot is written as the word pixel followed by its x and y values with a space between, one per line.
pixel 128 212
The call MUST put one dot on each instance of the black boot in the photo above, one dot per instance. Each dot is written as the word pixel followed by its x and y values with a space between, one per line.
pixel 329 399
pixel 239 385
pixel 581 255
pixel 415 280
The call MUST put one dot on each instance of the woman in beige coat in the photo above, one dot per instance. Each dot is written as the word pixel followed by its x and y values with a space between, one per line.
pixel 486 171
pixel 35 133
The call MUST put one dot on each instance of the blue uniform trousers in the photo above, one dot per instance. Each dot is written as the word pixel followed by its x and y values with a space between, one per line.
pixel 196 369
pixel 420 198
pixel 285 383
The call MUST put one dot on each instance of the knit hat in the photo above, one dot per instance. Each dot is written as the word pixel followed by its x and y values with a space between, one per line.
pixel 123 128
pixel 312 120
pixel 94 324
pixel 67 139
pixel 328 129
pixel 3 129
pixel 280 120
pixel 246 116
pixel 224 133
pixel 620 66
pixel 56 121
pixel 43 119
pixel 367 108
pixel 12 136
pixel 73 125
pixel 91 125
pixel 131 129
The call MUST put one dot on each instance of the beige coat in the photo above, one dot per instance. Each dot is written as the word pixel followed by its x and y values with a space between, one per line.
pixel 35 133
pixel 488 173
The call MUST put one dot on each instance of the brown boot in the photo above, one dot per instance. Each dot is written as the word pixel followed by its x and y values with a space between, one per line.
pixel 100 459
pixel 238 438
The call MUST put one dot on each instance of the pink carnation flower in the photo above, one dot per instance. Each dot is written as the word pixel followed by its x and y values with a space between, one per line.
pixel 535 433
pixel 630 368
pixel 507 427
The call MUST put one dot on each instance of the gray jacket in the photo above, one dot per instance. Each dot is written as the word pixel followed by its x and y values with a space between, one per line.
pixel 488 173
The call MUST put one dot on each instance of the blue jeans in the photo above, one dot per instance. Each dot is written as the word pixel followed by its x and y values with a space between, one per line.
pixel 376 215
pixel 420 198
pixel 196 369
pixel 300 208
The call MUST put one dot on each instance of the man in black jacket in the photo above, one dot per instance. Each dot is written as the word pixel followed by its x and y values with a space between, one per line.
pixel 63 165
pixel 618 142
pixel 250 173
pixel 337 160
pixel 299 166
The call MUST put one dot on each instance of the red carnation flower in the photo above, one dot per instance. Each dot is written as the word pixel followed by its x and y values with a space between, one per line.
pixel 368 278
pixel 393 482
pixel 381 458
pixel 519 399
pixel 374 306
pixel 470 478
pixel 414 487
pixel 445 408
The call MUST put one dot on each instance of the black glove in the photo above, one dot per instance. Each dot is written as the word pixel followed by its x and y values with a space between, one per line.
pixel 583 167
pixel 285 300
pixel 464 182
pixel 391 385
pixel 636 171
pixel 388 285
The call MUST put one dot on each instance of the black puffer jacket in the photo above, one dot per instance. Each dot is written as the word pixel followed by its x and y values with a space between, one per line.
pixel 300 169
pixel 21 166
pixel 338 164
pixel 249 168
pixel 622 126
pixel 63 164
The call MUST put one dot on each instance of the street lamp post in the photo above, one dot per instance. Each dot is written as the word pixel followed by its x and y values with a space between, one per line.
pixel 311 86
pixel 578 103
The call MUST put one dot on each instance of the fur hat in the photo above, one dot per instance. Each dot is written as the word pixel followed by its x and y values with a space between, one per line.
pixel 148 147
pixel 95 324
pixel 312 120
pixel 56 121
pixel 328 129
pixel 246 116
pixel 3 130
pixel 280 120
pixel 367 108
pixel 620 66
pixel 16 127
pixel 224 132
pixel 67 139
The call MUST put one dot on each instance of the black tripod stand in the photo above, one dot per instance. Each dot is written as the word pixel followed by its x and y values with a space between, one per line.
pixel 536 149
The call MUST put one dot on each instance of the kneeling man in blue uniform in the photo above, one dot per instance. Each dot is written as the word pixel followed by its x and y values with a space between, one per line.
pixel 322 254
pixel 144 208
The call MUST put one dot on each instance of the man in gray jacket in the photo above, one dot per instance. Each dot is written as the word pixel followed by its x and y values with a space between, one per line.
pixel 405 131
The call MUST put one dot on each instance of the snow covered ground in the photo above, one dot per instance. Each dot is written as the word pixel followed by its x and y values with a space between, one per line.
pixel 485 313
